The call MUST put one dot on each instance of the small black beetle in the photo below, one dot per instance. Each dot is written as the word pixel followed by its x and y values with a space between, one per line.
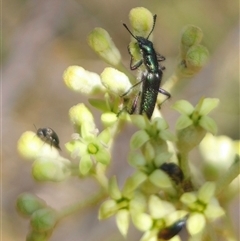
pixel 49 136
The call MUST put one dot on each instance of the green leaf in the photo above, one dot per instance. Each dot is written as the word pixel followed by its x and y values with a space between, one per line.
pixel 208 124
pixel 114 191
pixel 161 158
pixel 142 221
pixel 99 104
pixel 183 107
pixel 160 179
pixel 195 223
pixel 122 219
pixel 206 192
pixel 183 122
pixel 105 136
pixel 167 136
pixel 208 105
pixel 107 209
pixel 85 164
pixel 133 182
pixel 136 160
pixel 139 121
pixel 103 156
pixel 159 208
pixel 138 139
pixel 160 123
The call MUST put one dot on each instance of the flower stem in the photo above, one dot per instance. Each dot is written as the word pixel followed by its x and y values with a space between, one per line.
pixel 228 177
pixel 93 200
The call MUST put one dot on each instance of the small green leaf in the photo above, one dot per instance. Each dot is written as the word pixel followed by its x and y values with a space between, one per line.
pixel 208 124
pixel 105 136
pixel 136 159
pixel 183 107
pixel 85 164
pixel 133 182
pixel 206 192
pixel 159 208
pixel 213 211
pixel 139 121
pixel 160 179
pixel 208 105
pixel 161 158
pixel 103 156
pixel 196 223
pixel 167 136
pixel 122 219
pixel 107 209
pixel 114 191
pixel 138 139
pixel 188 198
pixel 183 122
pixel 142 221
pixel 99 104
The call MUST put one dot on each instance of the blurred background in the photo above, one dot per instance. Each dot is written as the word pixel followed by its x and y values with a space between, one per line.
pixel 40 39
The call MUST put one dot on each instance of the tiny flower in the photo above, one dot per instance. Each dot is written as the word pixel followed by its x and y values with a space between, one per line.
pixel 80 80
pixel 203 206
pixel 91 148
pixel 100 41
pixel 194 123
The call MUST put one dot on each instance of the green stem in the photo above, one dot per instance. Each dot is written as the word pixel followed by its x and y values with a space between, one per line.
pixel 168 86
pixel 228 177
pixel 184 165
pixel 93 200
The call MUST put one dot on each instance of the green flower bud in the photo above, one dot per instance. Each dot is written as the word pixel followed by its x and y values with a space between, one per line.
pixel 44 220
pixel 191 35
pixel 100 41
pixel 83 119
pixel 141 20
pixel 115 81
pixel 28 203
pixel 78 79
pixel 29 145
pixel 197 56
pixel 47 169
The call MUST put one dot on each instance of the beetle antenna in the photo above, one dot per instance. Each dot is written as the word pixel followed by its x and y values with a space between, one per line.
pixel 154 22
pixel 129 30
